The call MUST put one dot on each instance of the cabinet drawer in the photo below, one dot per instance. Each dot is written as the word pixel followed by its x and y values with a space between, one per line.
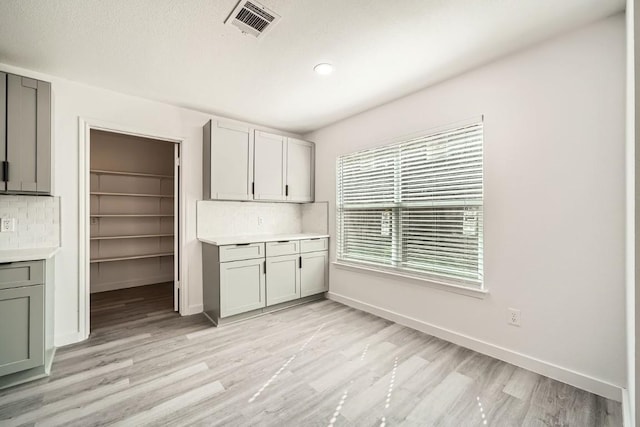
pixel 241 251
pixel 313 245
pixel 18 274
pixel 289 247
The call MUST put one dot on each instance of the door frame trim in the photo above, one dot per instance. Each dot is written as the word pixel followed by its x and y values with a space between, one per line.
pixel 85 125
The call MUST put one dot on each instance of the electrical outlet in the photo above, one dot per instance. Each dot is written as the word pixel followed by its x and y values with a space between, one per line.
pixel 7 225
pixel 513 317
pixel 260 220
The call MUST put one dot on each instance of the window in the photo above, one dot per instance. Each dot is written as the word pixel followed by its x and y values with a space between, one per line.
pixel 415 206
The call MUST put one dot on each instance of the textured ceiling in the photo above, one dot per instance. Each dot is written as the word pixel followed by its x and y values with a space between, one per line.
pixel 180 52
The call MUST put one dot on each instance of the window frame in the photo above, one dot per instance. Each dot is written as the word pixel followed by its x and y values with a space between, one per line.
pixel 397 266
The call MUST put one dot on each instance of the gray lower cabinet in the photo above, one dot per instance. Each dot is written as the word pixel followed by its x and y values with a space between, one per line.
pixel 314 273
pixel 26 321
pixel 283 279
pixel 25 129
pixel 21 328
pixel 250 278
pixel 242 286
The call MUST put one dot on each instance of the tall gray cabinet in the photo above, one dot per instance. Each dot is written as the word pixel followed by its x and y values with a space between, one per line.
pixel 25 135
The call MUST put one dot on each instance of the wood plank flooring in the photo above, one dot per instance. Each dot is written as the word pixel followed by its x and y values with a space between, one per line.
pixel 321 364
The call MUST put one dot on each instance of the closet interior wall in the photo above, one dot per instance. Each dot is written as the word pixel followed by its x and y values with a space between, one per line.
pixel 132 211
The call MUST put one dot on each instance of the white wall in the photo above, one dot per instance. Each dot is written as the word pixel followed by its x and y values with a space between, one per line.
pixel 554 207
pixel 73 100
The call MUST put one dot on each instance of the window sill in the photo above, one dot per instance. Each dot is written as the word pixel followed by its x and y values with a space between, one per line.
pixel 458 289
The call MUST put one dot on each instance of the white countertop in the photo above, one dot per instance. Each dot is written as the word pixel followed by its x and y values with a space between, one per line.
pixel 15 255
pixel 234 240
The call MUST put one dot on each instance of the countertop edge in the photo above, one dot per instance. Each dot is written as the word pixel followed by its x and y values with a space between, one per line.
pixel 33 254
pixel 232 240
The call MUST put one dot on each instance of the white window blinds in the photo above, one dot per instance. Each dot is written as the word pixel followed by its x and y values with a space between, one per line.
pixel 415 206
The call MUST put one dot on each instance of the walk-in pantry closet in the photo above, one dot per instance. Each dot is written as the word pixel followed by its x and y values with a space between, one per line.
pixel 132 224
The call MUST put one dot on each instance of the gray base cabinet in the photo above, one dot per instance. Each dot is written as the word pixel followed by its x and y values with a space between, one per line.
pixel 242 286
pixel 248 279
pixel 26 321
pixel 314 273
pixel 283 279
pixel 21 328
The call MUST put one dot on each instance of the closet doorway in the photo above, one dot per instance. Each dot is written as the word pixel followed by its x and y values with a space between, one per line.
pixel 133 204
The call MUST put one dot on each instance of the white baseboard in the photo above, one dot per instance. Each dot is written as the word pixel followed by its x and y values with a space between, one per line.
pixel 194 309
pixel 541 367
pixel 67 339
pixel 112 286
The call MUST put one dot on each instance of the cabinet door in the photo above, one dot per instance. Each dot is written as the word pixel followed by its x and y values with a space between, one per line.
pixel 3 126
pixel 228 161
pixel 21 328
pixel 28 135
pixel 242 286
pixel 300 170
pixel 269 171
pixel 283 279
pixel 314 273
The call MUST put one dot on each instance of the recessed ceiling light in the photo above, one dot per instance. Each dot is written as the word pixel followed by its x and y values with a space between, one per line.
pixel 323 69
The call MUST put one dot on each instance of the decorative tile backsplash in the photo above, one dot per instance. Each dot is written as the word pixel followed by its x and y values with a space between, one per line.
pixel 315 217
pixel 37 222
pixel 221 218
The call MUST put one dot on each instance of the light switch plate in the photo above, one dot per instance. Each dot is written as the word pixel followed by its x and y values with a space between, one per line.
pixel 7 225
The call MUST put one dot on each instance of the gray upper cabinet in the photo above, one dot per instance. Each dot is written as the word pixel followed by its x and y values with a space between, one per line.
pixel 26 321
pixel 26 150
pixel 241 163
pixel 227 161
pixel 269 166
pixel 3 129
pixel 300 170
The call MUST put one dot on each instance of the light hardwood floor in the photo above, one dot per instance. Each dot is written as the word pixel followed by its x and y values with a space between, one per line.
pixel 321 364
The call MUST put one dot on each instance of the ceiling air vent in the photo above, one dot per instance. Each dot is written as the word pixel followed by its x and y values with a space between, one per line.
pixel 252 18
